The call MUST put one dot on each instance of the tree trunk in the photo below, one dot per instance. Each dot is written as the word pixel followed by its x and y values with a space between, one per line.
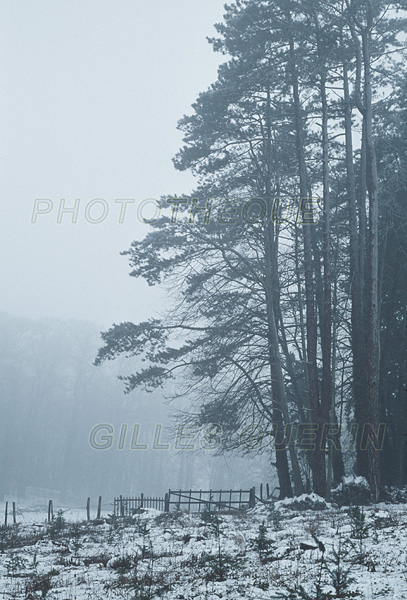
pixel 326 329
pixel 278 388
pixel 356 248
pixel 280 407
pixel 318 454
pixel 373 341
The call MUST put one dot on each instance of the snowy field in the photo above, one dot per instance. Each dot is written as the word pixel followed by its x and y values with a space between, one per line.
pixel 270 552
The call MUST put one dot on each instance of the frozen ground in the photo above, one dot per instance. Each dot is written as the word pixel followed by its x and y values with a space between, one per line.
pixel 297 554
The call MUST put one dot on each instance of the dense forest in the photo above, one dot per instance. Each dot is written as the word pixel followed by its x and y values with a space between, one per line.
pixel 285 324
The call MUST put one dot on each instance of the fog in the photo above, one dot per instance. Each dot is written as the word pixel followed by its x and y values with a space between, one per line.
pixel 91 95
pixel 68 432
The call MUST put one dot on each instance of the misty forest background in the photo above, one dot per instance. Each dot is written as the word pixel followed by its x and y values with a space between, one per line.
pixel 53 397
pixel 271 321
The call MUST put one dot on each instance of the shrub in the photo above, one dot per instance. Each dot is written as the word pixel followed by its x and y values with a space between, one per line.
pixel 304 502
pixel 395 495
pixel 57 525
pixel 210 517
pixel 219 565
pixel 41 583
pixel 124 564
pixel 359 527
pixel 262 543
pixel 15 564
pixel 339 575
pixel 97 559
pixel 352 491
pixel 274 515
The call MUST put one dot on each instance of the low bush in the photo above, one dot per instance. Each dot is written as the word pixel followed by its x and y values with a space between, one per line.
pixel 352 491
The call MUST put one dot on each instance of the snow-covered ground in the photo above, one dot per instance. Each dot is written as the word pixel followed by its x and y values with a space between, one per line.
pixel 297 554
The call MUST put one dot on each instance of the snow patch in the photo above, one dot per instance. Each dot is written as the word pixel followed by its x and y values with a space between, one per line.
pixel 303 502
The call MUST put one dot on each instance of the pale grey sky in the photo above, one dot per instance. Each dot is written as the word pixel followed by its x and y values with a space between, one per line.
pixel 91 94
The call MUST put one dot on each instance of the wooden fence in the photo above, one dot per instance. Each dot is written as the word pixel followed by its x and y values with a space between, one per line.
pixel 126 507
pixel 190 500
pixel 271 496
pixel 51 511
pixel 222 500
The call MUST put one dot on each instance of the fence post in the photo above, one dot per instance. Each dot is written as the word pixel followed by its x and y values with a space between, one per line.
pixel 50 511
pixel 261 491
pixel 268 490
pixel 99 508
pixel 141 500
pixel 121 507
pixel 14 514
pixel 252 498
pixel 167 503
pixel 6 515
pixel 88 510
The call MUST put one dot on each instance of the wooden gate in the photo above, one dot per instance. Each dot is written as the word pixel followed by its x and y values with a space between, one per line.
pixel 222 500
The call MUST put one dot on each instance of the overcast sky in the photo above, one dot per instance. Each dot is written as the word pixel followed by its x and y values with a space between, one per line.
pixel 91 92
